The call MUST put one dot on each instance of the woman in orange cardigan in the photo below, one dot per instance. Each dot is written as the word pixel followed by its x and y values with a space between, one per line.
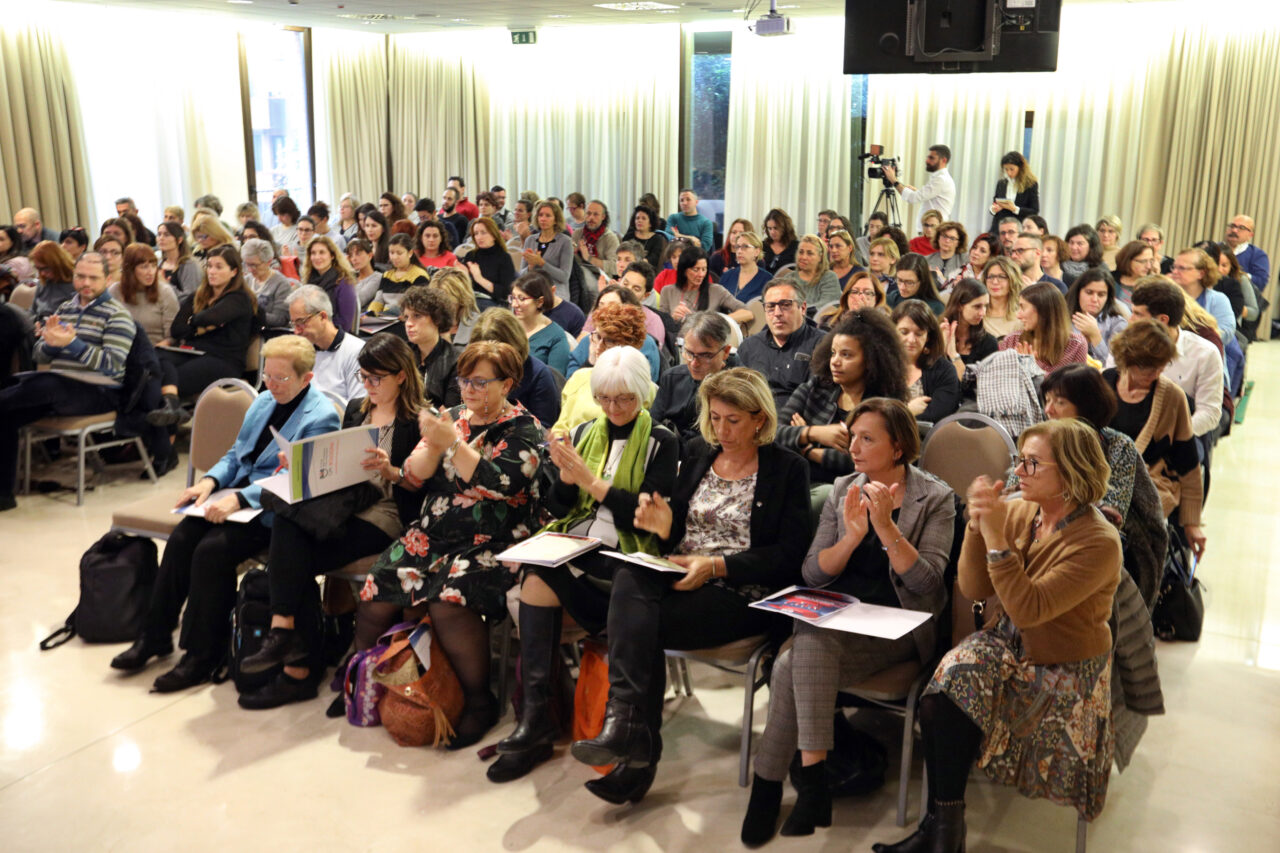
pixel 1030 695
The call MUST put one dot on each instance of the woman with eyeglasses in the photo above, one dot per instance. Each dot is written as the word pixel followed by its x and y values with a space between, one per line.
pixel 201 555
pixel 913 279
pixel 862 291
pixel 1134 261
pixel 209 337
pixel 530 295
pixel 111 247
pixel 947 263
pixel 726 257
pixel 325 534
pixel 208 234
pixel 1197 274
pixel 597 476
pixel 478 463
pixel 427 313
pixel 1029 696
pixel 269 285
pixel 746 280
pixel 617 325
pixel 1003 280
pixel 737 524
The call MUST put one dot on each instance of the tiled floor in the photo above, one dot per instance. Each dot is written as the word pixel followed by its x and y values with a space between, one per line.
pixel 92 761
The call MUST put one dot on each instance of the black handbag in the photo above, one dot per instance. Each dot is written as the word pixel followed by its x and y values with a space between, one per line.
pixel 1179 610
pixel 116 577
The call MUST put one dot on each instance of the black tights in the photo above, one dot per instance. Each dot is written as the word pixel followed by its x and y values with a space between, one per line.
pixel 951 742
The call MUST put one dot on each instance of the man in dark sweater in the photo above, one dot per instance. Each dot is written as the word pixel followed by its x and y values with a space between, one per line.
pixel 781 350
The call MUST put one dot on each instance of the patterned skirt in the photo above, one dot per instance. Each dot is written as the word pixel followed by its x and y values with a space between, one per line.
pixel 1046 729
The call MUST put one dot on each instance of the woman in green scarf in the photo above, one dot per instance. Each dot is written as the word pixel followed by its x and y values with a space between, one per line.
pixel 599 470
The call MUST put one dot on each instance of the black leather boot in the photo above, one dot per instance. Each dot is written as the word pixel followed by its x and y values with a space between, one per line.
pixel 920 841
pixel 625 739
pixel 170 412
pixel 813 803
pixel 948 837
pixel 761 821
pixel 539 645
pixel 143 650
pixel 514 765
pixel 623 784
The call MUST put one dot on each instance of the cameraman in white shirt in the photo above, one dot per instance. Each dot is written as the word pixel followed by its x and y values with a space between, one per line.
pixel 939 192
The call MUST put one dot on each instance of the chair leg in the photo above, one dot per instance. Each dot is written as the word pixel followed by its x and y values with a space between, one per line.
pixel 80 442
pixel 1082 832
pixel 751 684
pixel 684 676
pixel 146 458
pixel 908 747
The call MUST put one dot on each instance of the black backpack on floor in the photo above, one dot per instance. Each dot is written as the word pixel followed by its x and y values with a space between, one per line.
pixel 116 577
pixel 250 622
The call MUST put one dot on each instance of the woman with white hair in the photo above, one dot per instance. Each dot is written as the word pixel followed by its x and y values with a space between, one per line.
pixel 598 473
pixel 268 284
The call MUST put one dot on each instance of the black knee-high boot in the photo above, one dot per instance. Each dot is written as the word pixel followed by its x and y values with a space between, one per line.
pixel 539 645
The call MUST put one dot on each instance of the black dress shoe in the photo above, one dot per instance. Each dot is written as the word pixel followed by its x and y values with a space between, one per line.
pixel 136 656
pixel 161 465
pixel 623 784
pixel 170 412
pixel 189 672
pixel 281 646
pixel 7 501
pixel 513 765
pixel 280 690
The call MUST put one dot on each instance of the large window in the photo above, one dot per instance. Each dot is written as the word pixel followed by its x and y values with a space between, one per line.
pixel 708 126
pixel 278 115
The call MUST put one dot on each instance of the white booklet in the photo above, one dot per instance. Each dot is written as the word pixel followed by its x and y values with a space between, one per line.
pixel 658 564
pixel 840 612
pixel 322 463
pixel 549 548
pixel 240 515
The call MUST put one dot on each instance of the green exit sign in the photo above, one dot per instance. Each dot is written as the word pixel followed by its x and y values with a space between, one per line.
pixel 524 36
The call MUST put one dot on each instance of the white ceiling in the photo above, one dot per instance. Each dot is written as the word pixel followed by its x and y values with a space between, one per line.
pixel 419 16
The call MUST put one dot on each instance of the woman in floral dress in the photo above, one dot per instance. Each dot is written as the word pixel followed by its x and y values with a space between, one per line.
pixel 1029 696
pixel 478 464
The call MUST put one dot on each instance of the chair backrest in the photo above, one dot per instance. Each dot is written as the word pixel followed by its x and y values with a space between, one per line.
pixel 253 360
pixel 558 377
pixel 756 307
pixel 517 257
pixel 23 296
pixel 735 332
pixel 219 413
pixel 785 268
pixel 338 402
pixel 958 454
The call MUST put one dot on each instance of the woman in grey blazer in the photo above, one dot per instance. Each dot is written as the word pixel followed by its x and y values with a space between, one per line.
pixel 885 537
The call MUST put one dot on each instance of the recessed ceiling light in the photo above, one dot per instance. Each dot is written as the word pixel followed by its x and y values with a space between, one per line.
pixel 241 2
pixel 642 6
pixel 559 16
pixel 460 20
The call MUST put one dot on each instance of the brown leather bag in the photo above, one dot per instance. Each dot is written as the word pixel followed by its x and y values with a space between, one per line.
pixel 420 707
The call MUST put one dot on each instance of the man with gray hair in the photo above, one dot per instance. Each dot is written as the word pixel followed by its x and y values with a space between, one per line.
pixel 337 369
pixel 781 350
pixel 1153 235
pixel 268 284
pixel 705 336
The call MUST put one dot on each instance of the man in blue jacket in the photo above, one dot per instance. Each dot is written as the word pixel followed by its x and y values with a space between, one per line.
pixel 1252 260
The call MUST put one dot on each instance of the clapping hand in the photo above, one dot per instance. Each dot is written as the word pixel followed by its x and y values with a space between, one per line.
pixel 437 429
pixel 855 511
pixel 880 500
pixel 986 509
pixel 949 337
pixel 1024 348
pixel 532 258
pixel 653 514
pixel 57 333
pixel 573 469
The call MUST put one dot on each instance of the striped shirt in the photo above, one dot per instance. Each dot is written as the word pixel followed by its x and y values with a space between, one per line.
pixel 104 334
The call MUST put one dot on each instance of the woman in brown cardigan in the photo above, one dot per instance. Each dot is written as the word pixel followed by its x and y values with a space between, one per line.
pixel 1153 412
pixel 1030 695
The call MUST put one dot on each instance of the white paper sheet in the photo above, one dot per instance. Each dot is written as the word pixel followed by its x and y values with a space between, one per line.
pixel 648 561
pixel 239 516
pixel 549 549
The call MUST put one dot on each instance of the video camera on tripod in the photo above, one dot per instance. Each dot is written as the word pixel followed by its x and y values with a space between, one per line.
pixel 875 169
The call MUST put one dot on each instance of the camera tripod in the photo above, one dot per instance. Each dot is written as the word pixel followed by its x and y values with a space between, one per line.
pixel 888 200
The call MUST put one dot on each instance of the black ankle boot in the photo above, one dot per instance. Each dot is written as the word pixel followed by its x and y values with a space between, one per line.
pixel 282 646
pixel 514 765
pixel 761 821
pixel 948 837
pixel 539 646
pixel 623 784
pixel 479 714
pixel 813 805
pixel 625 739
pixel 920 841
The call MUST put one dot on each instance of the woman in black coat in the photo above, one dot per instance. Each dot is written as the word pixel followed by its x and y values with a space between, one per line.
pixel 330 531
pixel 1017 193
pixel 738 524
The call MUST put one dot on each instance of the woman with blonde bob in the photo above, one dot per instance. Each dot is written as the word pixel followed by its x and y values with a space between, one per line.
pixel 599 472
pixel 737 523
pixel 812 274
pixel 1029 696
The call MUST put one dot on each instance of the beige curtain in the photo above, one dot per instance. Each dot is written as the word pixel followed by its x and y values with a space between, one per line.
pixel 350 71
pixel 42 150
pixel 789 125
pixel 439 112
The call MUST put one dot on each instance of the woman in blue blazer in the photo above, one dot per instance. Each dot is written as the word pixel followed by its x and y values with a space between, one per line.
pixel 200 558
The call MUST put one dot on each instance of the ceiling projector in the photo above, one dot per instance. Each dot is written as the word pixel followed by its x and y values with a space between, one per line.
pixel 772 24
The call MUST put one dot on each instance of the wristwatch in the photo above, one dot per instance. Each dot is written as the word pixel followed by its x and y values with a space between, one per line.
pixel 997 556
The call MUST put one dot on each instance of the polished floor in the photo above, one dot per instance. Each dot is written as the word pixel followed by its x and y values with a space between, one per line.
pixel 92 761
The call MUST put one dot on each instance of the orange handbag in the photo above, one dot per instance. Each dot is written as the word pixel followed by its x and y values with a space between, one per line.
pixel 420 707
pixel 591 695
